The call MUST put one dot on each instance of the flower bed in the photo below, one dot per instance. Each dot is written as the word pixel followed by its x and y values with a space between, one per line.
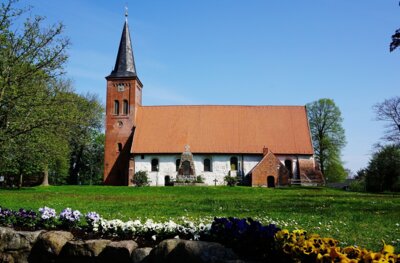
pixel 248 238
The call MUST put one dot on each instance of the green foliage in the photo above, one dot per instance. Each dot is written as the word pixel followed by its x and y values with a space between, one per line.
pixel 383 171
pixel 334 171
pixel 357 186
pixel 328 136
pixel 199 179
pixel 231 180
pixel 141 179
pixel 41 118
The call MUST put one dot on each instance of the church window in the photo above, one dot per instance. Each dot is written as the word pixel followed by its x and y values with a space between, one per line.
pixel 119 145
pixel 116 107
pixel 234 163
pixel 207 165
pixel 177 164
pixel 125 109
pixel 154 165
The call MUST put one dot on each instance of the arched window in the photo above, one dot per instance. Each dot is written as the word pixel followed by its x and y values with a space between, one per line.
pixel 125 109
pixel 177 164
pixel 207 165
pixel 154 165
pixel 234 163
pixel 116 107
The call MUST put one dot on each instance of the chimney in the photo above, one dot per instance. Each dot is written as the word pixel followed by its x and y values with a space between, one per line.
pixel 265 151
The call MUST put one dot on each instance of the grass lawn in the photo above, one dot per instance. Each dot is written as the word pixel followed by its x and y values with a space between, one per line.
pixel 353 218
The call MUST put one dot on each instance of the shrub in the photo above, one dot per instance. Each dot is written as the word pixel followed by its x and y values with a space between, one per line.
pixel 199 179
pixel 231 180
pixel 141 179
pixel 357 186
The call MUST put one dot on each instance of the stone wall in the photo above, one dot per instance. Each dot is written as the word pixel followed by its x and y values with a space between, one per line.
pixel 60 246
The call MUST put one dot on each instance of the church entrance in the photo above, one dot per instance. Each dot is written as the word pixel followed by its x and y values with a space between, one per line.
pixel 288 165
pixel 167 180
pixel 271 181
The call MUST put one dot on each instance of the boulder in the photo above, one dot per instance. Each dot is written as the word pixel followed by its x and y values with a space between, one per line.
pixel 140 255
pixel 88 248
pixel 6 258
pixel 175 250
pixel 202 252
pixel 17 240
pixel 49 245
pixel 6 236
pixel 161 252
pixel 16 244
pixel 119 252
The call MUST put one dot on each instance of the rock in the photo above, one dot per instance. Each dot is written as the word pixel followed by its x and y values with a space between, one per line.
pixel 119 252
pixel 54 241
pixel 88 248
pixel 161 252
pixel 140 255
pixel 6 258
pixel 175 250
pixel 200 251
pixel 6 236
pixel 49 245
pixel 17 244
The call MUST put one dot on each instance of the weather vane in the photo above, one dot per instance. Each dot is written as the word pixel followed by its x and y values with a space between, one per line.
pixel 126 11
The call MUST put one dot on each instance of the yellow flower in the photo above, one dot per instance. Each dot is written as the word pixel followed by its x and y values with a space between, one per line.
pixel 352 252
pixel 387 248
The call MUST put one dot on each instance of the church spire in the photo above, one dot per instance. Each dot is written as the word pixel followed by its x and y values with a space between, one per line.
pixel 125 63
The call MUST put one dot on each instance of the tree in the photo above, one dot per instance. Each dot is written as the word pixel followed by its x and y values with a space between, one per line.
pixel 328 137
pixel 395 40
pixel 389 112
pixel 85 144
pixel 30 60
pixel 43 123
pixel 383 171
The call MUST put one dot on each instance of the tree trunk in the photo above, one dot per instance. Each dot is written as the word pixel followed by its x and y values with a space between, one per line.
pixel 45 181
pixel 20 181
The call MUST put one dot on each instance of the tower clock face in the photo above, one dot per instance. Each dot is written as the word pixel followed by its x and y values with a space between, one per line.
pixel 120 87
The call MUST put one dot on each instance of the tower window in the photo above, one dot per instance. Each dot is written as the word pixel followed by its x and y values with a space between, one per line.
pixel 207 165
pixel 154 165
pixel 125 109
pixel 119 147
pixel 116 107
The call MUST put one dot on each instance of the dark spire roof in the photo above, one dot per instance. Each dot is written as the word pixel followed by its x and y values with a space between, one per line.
pixel 125 63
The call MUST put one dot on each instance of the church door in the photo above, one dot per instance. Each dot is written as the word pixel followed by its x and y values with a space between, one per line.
pixel 271 181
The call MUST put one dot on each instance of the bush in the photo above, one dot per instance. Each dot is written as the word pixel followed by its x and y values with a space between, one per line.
pixel 231 180
pixel 357 186
pixel 199 179
pixel 141 179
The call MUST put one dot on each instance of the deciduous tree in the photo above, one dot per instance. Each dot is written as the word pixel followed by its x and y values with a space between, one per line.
pixel 389 112
pixel 328 137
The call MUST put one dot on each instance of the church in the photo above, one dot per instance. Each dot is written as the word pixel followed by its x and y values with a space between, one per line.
pixel 260 145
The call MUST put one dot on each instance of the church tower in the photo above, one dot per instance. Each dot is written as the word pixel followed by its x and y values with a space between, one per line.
pixel 124 96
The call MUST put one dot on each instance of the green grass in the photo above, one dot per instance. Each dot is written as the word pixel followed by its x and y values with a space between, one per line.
pixel 353 218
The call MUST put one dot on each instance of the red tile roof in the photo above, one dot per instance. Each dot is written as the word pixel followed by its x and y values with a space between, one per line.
pixel 222 129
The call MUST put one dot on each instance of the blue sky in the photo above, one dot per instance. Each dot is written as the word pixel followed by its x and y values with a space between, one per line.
pixel 243 52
